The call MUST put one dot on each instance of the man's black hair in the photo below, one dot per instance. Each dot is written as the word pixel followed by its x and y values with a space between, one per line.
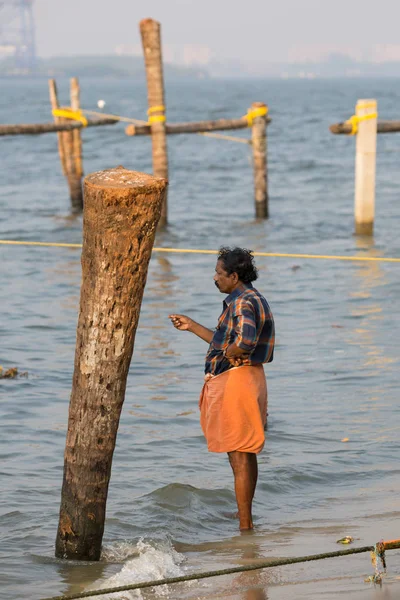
pixel 240 261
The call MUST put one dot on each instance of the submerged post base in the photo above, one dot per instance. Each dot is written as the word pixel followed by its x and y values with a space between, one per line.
pixel 364 228
pixel 261 210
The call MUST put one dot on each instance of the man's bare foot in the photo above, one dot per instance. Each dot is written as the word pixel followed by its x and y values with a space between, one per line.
pixel 246 525
pixel 246 529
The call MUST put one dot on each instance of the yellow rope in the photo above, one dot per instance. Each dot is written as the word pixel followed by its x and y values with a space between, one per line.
pixel 68 113
pixel 355 120
pixel 59 245
pixel 157 119
pixel 199 251
pixel 160 108
pixel 286 255
pixel 256 112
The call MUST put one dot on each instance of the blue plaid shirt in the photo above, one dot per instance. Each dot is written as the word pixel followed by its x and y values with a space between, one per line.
pixel 247 320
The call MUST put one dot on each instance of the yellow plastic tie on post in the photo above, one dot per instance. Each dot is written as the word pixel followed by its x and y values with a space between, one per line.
pixel 156 118
pixel 355 119
pixel 68 113
pixel 160 108
pixel 256 112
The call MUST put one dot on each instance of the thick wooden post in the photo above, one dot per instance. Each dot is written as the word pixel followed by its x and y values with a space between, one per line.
pixel 121 213
pixel 259 143
pixel 364 210
pixel 151 40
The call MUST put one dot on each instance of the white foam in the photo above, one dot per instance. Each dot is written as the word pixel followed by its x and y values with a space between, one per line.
pixel 119 552
pixel 149 563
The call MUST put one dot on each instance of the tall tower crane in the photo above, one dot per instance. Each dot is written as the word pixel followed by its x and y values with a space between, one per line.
pixel 17 33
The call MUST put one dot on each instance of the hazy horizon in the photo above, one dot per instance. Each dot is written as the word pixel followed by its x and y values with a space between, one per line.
pixel 288 31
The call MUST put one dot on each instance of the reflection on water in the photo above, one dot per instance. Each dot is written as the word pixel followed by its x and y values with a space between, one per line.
pixel 368 289
pixel 79 577
pixel 368 277
pixel 253 583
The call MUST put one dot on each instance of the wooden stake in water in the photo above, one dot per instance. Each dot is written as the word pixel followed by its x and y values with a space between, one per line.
pixel 151 40
pixel 60 136
pixel 121 212
pixel 259 144
pixel 364 212
pixel 68 147
pixel 73 154
pixel 75 95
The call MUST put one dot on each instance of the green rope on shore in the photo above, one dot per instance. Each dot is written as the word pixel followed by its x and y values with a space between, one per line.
pixel 206 574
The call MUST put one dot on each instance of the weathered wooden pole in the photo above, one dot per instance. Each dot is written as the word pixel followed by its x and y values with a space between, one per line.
pixel 150 31
pixel 259 144
pixel 121 212
pixel 58 120
pixel 66 147
pixel 194 127
pixel 346 127
pixel 40 128
pixel 73 155
pixel 364 209
pixel 75 95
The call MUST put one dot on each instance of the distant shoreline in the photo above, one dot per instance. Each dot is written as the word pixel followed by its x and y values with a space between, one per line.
pixel 98 66
pixel 120 67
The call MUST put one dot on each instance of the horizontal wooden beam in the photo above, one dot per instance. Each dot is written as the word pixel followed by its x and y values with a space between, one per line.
pixel 195 127
pixel 38 128
pixel 383 127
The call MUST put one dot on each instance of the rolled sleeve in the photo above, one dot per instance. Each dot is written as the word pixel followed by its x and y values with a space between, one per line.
pixel 245 327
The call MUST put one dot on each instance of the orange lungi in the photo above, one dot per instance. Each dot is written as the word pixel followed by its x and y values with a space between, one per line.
pixel 233 409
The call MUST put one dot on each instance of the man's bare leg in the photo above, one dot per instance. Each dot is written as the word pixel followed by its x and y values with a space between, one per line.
pixel 245 472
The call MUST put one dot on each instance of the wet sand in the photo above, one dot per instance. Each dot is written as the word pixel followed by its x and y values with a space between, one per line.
pixel 328 578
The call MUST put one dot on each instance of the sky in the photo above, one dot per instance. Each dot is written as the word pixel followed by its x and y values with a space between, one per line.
pixel 258 30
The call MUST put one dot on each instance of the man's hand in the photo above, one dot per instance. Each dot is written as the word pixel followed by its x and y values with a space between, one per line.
pixel 184 323
pixel 235 361
pixel 181 322
pixel 235 355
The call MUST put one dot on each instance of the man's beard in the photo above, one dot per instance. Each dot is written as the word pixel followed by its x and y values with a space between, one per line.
pixel 216 284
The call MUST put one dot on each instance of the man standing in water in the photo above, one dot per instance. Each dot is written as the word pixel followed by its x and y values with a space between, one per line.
pixel 233 401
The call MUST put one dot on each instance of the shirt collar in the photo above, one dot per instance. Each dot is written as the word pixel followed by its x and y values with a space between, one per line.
pixel 236 293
